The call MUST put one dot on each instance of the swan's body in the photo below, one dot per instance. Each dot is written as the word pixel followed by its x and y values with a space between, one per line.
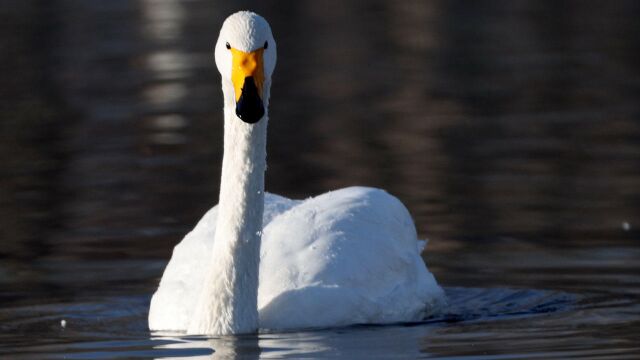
pixel 344 257
pixel 255 261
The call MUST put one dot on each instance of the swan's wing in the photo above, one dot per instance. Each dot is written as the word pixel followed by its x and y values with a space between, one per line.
pixel 348 256
pixel 173 303
pixel 422 244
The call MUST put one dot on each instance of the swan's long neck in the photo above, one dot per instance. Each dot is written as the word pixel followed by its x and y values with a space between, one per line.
pixel 228 301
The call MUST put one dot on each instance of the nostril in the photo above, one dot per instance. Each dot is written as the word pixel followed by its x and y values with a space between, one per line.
pixel 249 65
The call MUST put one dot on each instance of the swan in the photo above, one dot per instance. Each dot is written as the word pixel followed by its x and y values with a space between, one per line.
pixel 259 261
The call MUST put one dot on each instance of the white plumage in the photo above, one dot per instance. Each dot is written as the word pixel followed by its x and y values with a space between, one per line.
pixel 345 257
pixel 264 261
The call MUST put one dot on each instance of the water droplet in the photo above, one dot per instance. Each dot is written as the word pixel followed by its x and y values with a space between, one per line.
pixel 626 226
pixel 63 323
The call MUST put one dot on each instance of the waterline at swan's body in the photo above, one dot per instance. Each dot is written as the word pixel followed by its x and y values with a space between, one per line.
pixel 345 257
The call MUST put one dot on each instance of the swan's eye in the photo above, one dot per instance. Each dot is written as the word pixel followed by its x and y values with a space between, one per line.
pixel 266 45
pixel 228 46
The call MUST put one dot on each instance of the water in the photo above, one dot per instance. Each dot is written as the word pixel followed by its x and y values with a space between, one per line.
pixel 511 131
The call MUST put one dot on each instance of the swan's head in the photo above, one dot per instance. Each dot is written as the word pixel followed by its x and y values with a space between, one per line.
pixel 246 57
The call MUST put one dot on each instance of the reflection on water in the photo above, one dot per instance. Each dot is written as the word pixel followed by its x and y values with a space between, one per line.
pixel 510 129
pixel 114 327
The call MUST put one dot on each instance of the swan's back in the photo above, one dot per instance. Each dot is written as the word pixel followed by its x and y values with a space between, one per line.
pixel 344 257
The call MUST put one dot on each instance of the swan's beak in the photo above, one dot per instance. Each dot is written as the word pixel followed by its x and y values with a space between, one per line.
pixel 247 75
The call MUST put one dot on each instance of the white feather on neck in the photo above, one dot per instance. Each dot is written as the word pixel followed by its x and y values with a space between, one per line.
pixel 228 300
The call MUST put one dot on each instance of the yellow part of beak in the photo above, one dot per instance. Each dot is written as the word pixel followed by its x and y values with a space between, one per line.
pixel 246 64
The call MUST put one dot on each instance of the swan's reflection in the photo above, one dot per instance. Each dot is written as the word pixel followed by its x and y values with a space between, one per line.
pixel 299 344
pixel 224 347
pixel 345 343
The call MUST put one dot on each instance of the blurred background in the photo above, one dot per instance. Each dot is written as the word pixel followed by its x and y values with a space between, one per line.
pixel 510 129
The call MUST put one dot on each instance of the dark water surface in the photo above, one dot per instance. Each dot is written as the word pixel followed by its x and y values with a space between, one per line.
pixel 510 129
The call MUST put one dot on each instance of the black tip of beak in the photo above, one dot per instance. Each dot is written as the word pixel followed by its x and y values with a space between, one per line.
pixel 250 108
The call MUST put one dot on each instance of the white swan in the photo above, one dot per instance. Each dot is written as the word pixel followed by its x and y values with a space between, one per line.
pixel 258 260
